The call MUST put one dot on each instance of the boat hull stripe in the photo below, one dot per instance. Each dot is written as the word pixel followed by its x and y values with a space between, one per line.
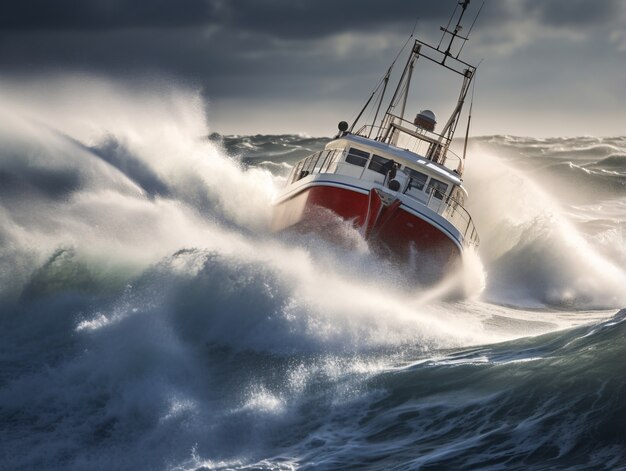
pixel 362 190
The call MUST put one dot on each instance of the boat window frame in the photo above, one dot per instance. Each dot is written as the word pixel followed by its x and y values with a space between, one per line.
pixel 437 192
pixel 357 155
pixel 411 174
pixel 380 170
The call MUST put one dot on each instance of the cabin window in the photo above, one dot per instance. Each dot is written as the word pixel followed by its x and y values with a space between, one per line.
pixel 438 188
pixel 357 157
pixel 416 179
pixel 377 164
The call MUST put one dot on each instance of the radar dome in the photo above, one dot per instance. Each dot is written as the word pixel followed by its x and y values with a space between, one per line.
pixel 426 120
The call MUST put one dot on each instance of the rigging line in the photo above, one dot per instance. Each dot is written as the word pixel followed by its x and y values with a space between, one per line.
pixel 395 59
pixel 370 99
pixel 371 111
pixel 402 91
pixel 470 29
pixel 443 35
pixel 414 28
pixel 356 120
pixel 369 114
pixel 385 77
pixel 380 102
pixel 469 118
pixel 404 45
pixel 475 18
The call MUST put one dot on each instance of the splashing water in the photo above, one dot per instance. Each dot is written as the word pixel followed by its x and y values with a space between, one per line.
pixel 149 319
pixel 534 254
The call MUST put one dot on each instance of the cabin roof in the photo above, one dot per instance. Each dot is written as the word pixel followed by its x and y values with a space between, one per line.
pixel 401 156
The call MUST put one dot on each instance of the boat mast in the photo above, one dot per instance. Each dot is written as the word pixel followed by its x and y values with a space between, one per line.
pixel 454 34
pixel 401 93
pixel 384 82
pixel 380 102
pixel 406 88
pixel 438 153
pixel 469 120
pixel 444 57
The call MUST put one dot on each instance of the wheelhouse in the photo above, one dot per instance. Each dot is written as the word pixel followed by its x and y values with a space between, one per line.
pixel 415 177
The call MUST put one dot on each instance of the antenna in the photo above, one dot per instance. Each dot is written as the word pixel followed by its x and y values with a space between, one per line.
pixel 454 34
pixel 443 35
pixel 470 30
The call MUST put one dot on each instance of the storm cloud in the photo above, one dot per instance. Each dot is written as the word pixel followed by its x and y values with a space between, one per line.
pixel 300 52
pixel 278 18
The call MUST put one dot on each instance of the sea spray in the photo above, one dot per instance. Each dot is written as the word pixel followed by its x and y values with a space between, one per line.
pixel 533 253
pixel 149 320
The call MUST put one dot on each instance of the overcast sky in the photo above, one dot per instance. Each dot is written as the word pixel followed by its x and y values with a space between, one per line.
pixel 549 67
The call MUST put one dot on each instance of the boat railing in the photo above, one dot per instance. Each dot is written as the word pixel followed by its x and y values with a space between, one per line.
pixel 326 161
pixel 406 135
pixel 453 211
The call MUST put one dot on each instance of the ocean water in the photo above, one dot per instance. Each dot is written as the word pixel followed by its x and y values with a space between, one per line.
pixel 150 320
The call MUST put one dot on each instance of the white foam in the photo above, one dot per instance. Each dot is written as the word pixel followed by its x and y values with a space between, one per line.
pixel 534 254
pixel 332 296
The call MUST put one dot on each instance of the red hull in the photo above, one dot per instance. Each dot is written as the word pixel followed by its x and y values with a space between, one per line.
pixel 390 229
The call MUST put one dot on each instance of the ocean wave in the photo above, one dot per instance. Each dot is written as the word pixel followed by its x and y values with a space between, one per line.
pixel 536 152
pixel 613 161
pixel 484 410
pixel 596 179
pixel 206 356
pixel 150 320
pixel 534 253
pixel 279 148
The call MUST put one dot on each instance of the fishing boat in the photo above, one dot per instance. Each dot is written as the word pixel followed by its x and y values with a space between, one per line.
pixel 396 180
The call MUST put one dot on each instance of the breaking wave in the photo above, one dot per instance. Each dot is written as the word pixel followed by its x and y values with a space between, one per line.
pixel 150 320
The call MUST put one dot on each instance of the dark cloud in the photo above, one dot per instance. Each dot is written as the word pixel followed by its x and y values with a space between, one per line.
pixel 211 41
pixel 297 49
pixel 281 18
pixel 276 18
pixel 92 15
pixel 575 13
pixel 310 19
